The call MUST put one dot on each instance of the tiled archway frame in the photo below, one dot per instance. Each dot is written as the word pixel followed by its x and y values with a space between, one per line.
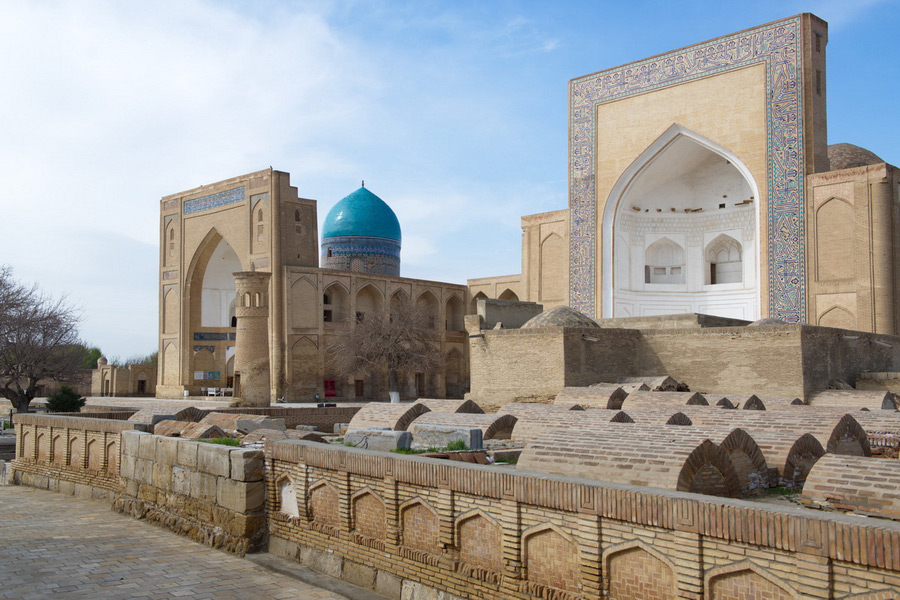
pixel 778 46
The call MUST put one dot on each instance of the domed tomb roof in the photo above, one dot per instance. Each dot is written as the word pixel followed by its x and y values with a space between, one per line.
pixel 847 156
pixel 361 214
pixel 560 316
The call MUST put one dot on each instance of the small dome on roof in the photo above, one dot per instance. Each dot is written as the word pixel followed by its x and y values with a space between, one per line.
pixel 560 316
pixel 361 214
pixel 102 362
pixel 847 156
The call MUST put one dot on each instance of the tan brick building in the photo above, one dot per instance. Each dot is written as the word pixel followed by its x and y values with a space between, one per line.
pixel 258 223
pixel 701 181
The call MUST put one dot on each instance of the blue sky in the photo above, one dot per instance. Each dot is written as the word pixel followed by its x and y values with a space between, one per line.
pixel 453 112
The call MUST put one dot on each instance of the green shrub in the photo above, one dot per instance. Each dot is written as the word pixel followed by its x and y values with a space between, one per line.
pixel 65 400
pixel 225 441
pixel 456 446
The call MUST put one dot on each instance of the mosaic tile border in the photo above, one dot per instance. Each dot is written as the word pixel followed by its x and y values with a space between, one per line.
pixel 778 46
pixel 214 200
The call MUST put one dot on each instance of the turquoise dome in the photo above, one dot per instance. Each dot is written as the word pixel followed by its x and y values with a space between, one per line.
pixel 361 214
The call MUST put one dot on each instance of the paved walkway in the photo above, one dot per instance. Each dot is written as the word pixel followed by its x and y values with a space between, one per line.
pixel 57 545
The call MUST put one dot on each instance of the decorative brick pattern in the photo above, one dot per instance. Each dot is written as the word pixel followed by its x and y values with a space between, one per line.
pixel 480 548
pixel 369 519
pixel 635 574
pixel 323 508
pixel 812 552
pixel 421 529
pixel 552 561
pixel 746 585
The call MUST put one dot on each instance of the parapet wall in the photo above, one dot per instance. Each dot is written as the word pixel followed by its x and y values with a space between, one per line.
pixel 398 524
pixel 211 493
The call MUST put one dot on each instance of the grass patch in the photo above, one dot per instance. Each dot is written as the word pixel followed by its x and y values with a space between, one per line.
pixel 7 425
pixel 456 446
pixel 224 441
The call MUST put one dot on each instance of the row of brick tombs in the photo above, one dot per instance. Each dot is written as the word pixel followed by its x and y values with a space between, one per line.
pixel 684 441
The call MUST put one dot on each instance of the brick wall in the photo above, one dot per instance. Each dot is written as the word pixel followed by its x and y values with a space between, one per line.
pixel 477 532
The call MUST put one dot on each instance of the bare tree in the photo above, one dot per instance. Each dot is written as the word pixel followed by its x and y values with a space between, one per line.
pixel 397 344
pixel 38 340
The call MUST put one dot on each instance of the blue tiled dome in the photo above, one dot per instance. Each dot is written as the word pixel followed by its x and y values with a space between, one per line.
pixel 361 214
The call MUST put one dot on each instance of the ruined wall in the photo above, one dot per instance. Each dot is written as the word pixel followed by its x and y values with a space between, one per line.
pixel 402 525
pixel 830 354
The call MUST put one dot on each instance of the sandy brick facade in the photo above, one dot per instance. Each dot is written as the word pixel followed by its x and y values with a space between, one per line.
pixel 445 526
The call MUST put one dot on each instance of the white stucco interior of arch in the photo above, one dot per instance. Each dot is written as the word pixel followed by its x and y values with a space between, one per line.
pixel 217 304
pixel 739 300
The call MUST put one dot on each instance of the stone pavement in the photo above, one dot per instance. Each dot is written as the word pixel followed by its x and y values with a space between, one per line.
pixel 57 545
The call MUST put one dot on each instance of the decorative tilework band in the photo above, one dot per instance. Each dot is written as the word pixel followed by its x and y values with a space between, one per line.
pixel 214 200
pixel 777 45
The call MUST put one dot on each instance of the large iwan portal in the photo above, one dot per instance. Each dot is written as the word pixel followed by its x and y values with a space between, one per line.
pixel 680 233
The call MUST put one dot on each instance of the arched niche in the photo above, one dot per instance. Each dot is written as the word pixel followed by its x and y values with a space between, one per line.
pixel 724 263
pixel 369 301
pixel 690 191
pixel 335 303
pixel 455 313
pixel 428 304
pixel 509 295
pixel 473 305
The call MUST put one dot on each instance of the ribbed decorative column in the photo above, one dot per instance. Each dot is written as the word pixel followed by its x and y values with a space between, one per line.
pixel 251 356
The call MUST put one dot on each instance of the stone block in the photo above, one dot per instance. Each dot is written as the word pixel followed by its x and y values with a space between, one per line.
pixel 171 428
pixel 248 425
pixel 67 487
pixel 214 459
pixel 100 494
pixel 167 450
pixel 85 492
pixel 380 440
pixel 131 488
pixel 181 481
pixel 388 585
pixel 126 469
pixel 247 465
pixel 359 575
pixel 441 436
pixel 306 428
pixel 323 561
pixel 131 441
pixel 284 548
pixel 203 486
pixel 187 454
pixel 143 471
pixel 240 496
pixel 147 447
pixel 162 476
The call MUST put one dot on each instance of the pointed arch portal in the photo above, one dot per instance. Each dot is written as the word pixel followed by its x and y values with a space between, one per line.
pixel 683 196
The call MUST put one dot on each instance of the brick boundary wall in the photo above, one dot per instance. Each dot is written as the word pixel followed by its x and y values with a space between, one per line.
pixel 408 525
pixel 69 454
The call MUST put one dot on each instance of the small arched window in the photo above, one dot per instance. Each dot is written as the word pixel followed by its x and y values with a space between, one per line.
pixel 329 253
pixel 297 215
pixel 664 262
pixel 171 241
pixel 724 257
pixel 259 216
